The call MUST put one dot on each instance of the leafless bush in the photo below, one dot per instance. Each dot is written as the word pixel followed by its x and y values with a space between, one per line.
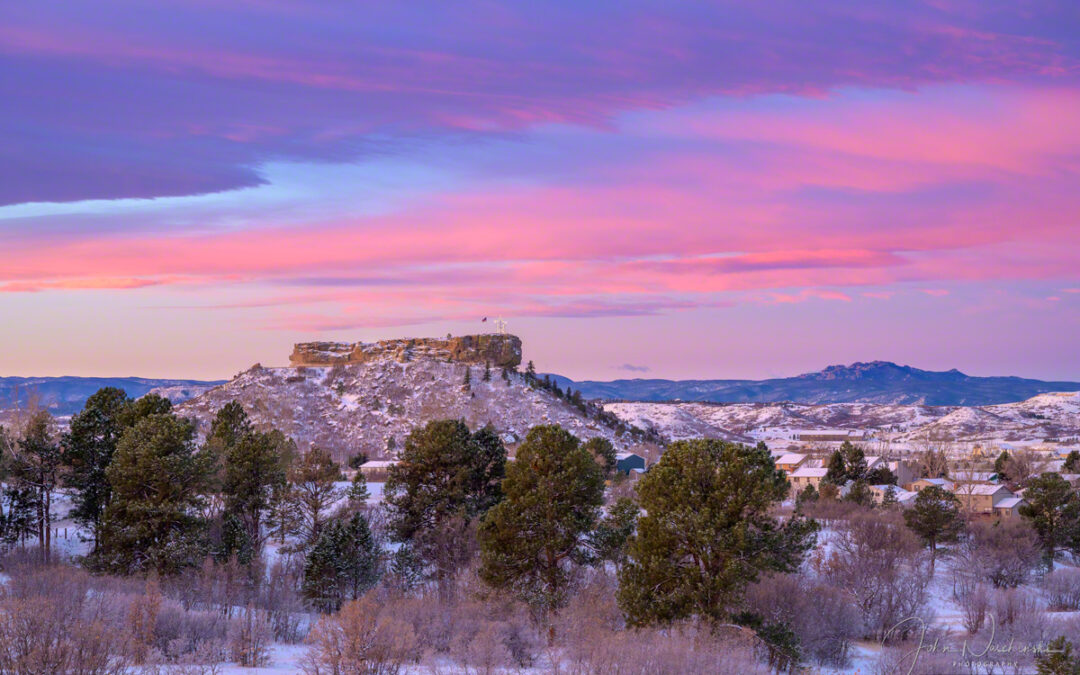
pixel 973 597
pixel 1003 552
pixel 359 640
pixel 1062 589
pixel 284 606
pixel 249 639
pixel 681 649
pixel 824 618
pixel 884 568
pixel 1015 605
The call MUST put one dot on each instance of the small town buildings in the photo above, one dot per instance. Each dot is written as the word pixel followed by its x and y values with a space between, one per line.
pixel 789 462
pixel 943 483
pixel 804 476
pixel 376 470
pixel 1009 507
pixel 904 497
pixel 980 497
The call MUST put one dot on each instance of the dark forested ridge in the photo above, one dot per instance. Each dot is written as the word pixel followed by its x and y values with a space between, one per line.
pixel 875 382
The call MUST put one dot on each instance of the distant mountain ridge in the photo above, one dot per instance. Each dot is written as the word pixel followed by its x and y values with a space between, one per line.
pixel 66 395
pixel 881 382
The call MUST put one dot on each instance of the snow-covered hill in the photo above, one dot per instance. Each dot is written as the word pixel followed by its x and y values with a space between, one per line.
pixel 370 407
pixel 1054 416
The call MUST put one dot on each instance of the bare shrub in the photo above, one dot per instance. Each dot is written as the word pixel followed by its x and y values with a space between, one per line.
pixel 282 601
pixel 884 568
pixel 359 639
pixel 1015 605
pixel 1062 589
pixel 249 639
pixel 1004 552
pixel 824 619
pixel 973 597
pixel 681 649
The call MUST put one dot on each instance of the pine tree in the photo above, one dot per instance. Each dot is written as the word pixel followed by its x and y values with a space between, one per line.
pixel 254 468
pixel 1053 507
pixel 603 452
pixel 531 541
pixel 889 500
pixel 836 474
pixel 487 372
pixel 1072 462
pixel 312 479
pixel 406 570
pixel 859 493
pixel 854 461
pixel 282 518
pixel 608 541
pixel 1001 465
pixel 87 450
pixel 530 372
pixel 153 521
pixel 467 383
pixel 445 479
pixel 36 467
pixel 342 565
pixel 808 496
pixel 358 491
pixel 708 533
pixel 935 516
pixel 1057 659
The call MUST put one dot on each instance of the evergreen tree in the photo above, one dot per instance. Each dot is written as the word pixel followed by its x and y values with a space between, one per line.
pixel 1001 465
pixel 889 500
pixel 935 516
pixel 881 475
pixel 254 468
pixel 406 570
pixel 1057 659
pixel 530 372
pixel 854 461
pixel 859 493
pixel 487 372
pixel 603 452
pixel 608 542
pixel 808 496
pixel 532 541
pixel 836 473
pixel 1053 507
pixel 1072 462
pixel 467 383
pixel 312 480
pixel 87 449
pixel 282 518
pixel 708 532
pixel 445 479
pixel 157 480
pixel 358 492
pixel 828 491
pixel 36 468
pixel 342 565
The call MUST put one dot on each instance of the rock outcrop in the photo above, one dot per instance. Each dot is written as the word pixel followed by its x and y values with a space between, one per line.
pixel 500 351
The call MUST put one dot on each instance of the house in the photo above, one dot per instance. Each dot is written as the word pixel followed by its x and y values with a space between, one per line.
pixel 903 497
pixel 790 461
pixel 943 483
pixel 903 471
pixel 804 476
pixel 873 462
pixel 376 470
pixel 627 461
pixel 1009 507
pixel 980 497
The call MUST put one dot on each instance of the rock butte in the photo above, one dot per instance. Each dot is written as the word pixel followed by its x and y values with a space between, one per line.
pixel 500 351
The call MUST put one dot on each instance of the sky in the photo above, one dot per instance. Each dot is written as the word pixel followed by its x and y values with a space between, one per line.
pixel 638 188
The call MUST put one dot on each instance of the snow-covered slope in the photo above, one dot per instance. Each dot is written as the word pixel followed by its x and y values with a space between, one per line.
pixel 371 407
pixel 1042 417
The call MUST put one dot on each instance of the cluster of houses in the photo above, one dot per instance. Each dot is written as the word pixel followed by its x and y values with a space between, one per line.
pixel 978 492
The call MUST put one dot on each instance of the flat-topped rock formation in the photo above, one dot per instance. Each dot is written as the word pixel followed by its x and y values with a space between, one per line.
pixel 500 351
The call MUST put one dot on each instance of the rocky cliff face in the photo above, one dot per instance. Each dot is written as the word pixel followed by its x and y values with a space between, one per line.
pixel 500 351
